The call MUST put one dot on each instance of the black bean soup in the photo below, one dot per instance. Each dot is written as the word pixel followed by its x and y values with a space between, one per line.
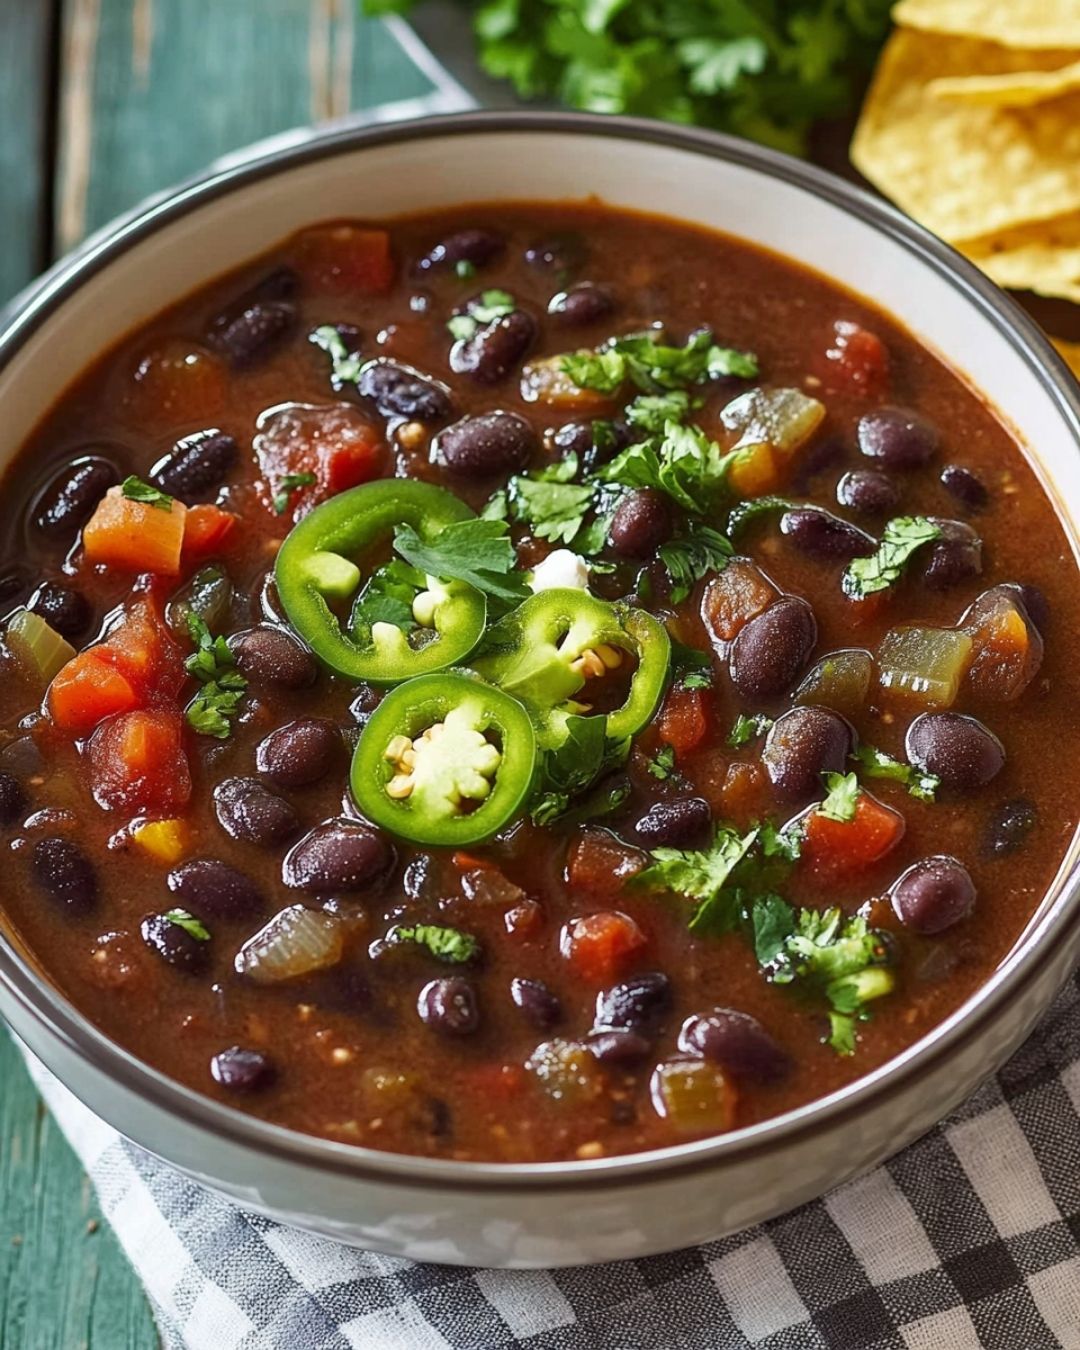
pixel 526 683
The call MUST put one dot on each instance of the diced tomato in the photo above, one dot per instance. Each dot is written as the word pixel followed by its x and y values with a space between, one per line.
pixel 855 360
pixel 346 257
pixel 307 454
pixel 207 530
pixel 467 862
pixel 142 650
pixel 601 946
pixel 501 1082
pixel 833 847
pixel 524 921
pixel 135 536
pixel 866 610
pixel 733 598
pixel 745 791
pixel 137 762
pixel 86 691
pixel 684 720
pixel 599 864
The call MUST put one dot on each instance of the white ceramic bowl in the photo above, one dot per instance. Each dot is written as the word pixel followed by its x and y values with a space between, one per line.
pixel 549 1213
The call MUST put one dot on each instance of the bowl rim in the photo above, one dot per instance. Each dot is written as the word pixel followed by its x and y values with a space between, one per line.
pixel 1033 951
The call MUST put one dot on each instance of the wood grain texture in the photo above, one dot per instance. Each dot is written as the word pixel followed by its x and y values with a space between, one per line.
pixel 25 113
pixel 154 90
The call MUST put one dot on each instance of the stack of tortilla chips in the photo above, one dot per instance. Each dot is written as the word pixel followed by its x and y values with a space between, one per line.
pixel 972 126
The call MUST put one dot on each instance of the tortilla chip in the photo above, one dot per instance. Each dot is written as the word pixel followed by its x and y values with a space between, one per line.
pixel 1013 23
pixel 965 171
pixel 1043 256
pixel 1071 352
pixel 1020 90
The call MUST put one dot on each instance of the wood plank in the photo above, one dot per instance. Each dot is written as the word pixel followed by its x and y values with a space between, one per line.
pixel 154 90
pixel 64 1280
pixel 25 68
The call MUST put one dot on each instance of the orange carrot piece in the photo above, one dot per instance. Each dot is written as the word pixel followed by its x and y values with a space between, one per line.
pixel 135 536
pixel 86 691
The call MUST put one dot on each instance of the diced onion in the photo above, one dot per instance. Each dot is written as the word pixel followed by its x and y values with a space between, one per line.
pixel 295 942
pixel 38 648
pixel 782 418
pixel 924 664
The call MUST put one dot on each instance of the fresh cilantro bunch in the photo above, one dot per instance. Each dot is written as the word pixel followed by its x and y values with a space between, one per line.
pixel 222 686
pixel 765 69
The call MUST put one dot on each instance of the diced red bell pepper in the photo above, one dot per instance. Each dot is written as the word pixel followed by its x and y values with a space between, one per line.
pixel 137 762
pixel 346 257
pixel 684 720
pixel 307 454
pixel 835 847
pixel 207 530
pixel 856 359
pixel 601 946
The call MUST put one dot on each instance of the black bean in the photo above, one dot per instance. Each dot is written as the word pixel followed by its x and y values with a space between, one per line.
pixel 210 886
pixel 635 1004
pixel 464 246
pixel 771 650
pixel 62 607
pixel 299 752
pixel 242 1070
pixel 13 582
pixel 1036 604
pixel 400 391
pixel 1009 826
pixel 487 444
pixel 954 558
pixel 196 466
pixel 961 752
pixel 338 855
pixel 898 438
pixel 68 501
pixel 492 352
pixel 13 801
pixel 967 487
pixel 573 438
pixel 558 253
pixel 802 745
pixel 268 655
pixel 449 1006
pixel 582 304
pixel 933 894
pixel 868 491
pixel 641 523
pixel 174 944
pixel 618 1047
pixel 65 873
pixel 738 1043
pixel 252 333
pixel 674 824
pixel 247 811
pixel 540 1006
pixel 820 534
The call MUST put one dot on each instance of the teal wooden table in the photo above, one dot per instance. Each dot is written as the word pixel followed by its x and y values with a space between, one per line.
pixel 101 103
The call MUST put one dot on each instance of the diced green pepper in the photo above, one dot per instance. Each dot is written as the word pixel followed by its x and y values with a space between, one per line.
pixel 924 664
pixel 38 648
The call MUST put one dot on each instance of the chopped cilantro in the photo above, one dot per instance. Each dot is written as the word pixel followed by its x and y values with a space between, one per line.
pixel 212 663
pixel 388 597
pixel 136 490
pixel 649 412
pixel 702 875
pixel 549 502
pixel 445 944
pixel 584 757
pixel 478 552
pixel 692 669
pixel 290 483
pixel 485 309
pixel 748 727
pixel 843 797
pixel 682 462
pixel 744 512
pixel 345 365
pixel 662 764
pixel 693 554
pixel 655 367
pixel 189 924
pixel 902 536
pixel 874 763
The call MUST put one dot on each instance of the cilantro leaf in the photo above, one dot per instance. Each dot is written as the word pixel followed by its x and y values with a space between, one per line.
pixel 477 551
pixel 189 924
pixel 747 727
pixel 584 756
pixel 649 412
pixel 875 763
pixel 744 512
pixel 552 510
pixel 479 312
pixel 603 371
pixel 662 764
pixel 843 797
pixel 289 483
pixel 388 597
pixel 773 922
pixel 902 536
pixel 654 366
pixel 702 875
pixel 692 669
pixel 445 944
pixel 136 490
pixel 682 462
pixel 217 702
pixel 693 554
pixel 345 366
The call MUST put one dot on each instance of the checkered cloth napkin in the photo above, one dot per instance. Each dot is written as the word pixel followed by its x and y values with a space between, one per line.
pixel 968 1240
